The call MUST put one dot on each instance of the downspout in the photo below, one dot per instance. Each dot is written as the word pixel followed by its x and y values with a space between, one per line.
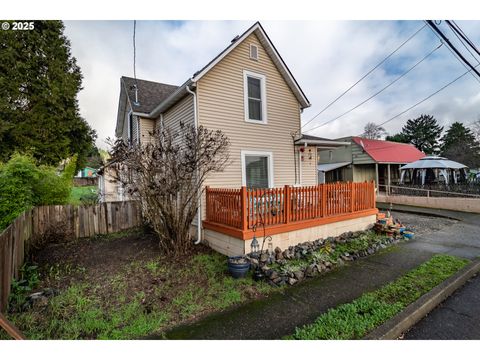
pixel 199 209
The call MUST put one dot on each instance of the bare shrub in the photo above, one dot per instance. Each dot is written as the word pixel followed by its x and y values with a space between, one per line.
pixel 167 176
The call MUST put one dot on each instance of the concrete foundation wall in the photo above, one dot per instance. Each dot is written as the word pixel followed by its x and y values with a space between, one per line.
pixel 446 203
pixel 231 246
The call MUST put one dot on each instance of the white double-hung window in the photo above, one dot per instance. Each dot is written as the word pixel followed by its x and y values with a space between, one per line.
pixel 257 169
pixel 255 97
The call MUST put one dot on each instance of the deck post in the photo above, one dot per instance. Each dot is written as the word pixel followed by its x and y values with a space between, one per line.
pixel 324 199
pixel 286 203
pixel 352 197
pixel 244 212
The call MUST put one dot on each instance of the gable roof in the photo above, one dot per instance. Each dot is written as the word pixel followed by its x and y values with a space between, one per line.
pixel 382 151
pixel 150 93
pixel 258 30
pixel 155 98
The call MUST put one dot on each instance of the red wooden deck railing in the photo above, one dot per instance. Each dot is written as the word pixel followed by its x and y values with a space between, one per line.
pixel 243 209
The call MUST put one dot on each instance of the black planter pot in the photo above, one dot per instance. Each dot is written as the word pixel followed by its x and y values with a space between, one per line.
pixel 238 270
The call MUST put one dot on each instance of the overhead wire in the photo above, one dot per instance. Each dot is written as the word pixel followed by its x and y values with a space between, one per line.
pixel 428 97
pixel 378 92
pixel 364 76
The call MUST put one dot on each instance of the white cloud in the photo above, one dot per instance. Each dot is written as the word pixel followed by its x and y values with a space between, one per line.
pixel 325 57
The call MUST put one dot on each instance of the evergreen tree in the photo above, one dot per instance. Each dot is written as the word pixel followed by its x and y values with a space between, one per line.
pixel 39 83
pixel 400 138
pixel 422 132
pixel 459 144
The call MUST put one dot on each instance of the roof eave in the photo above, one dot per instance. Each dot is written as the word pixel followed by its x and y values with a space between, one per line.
pixel 171 100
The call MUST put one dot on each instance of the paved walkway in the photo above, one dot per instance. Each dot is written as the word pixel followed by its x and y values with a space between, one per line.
pixel 457 318
pixel 281 313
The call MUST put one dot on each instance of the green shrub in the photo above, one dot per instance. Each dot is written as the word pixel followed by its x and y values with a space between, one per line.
pixel 23 184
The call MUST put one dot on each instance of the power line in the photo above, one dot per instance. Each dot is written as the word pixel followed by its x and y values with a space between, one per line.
pixel 437 30
pixel 134 63
pixel 464 36
pixel 363 77
pixel 461 37
pixel 378 92
pixel 428 97
pixel 454 31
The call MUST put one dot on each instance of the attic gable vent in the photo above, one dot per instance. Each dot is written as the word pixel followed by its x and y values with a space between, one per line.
pixel 253 52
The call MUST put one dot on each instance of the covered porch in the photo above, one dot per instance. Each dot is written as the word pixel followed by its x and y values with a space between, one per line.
pixel 288 214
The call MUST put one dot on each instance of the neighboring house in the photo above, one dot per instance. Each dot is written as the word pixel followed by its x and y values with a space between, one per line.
pixel 87 172
pixel 365 160
pixel 247 92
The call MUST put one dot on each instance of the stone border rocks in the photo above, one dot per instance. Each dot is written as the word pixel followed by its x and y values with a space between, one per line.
pixel 311 258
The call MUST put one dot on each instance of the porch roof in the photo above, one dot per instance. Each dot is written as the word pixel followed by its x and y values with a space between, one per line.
pixel 333 166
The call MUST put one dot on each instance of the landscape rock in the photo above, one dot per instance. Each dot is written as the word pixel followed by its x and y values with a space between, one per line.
pixel 311 270
pixel 298 275
pixel 291 281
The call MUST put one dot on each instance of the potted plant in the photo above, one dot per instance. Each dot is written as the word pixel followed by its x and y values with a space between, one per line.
pixel 238 266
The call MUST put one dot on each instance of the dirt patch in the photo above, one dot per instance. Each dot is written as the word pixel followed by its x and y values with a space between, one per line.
pixel 124 287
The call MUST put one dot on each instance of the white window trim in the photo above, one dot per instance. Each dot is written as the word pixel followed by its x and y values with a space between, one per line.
pixel 263 87
pixel 130 112
pixel 269 155
pixel 250 50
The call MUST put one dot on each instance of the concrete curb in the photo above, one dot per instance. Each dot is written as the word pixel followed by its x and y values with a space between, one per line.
pixel 416 311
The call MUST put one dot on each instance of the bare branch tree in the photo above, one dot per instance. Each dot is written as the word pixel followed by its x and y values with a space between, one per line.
pixel 167 176
pixel 475 127
pixel 373 131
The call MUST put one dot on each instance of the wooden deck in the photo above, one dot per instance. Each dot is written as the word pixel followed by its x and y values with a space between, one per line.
pixel 237 212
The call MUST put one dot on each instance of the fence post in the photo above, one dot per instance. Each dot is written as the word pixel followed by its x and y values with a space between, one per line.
pixel 243 194
pixel 352 197
pixel 286 203
pixel 324 200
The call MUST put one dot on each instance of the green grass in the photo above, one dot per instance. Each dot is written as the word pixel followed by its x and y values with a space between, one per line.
pixel 113 309
pixel 354 320
pixel 80 191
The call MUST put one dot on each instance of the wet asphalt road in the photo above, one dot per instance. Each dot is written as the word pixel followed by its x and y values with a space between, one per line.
pixel 457 318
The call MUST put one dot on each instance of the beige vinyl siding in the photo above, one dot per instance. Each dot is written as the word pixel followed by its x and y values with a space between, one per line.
pixel 309 166
pixel 181 112
pixel 363 172
pixel 146 128
pixel 221 106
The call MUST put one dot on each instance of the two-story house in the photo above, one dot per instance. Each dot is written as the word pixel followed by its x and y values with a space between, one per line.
pixel 247 92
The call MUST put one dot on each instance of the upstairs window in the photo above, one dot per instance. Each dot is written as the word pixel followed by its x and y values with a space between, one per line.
pixel 253 52
pixel 255 98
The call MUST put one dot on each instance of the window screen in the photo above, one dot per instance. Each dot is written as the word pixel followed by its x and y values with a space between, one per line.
pixel 256 171
pixel 254 99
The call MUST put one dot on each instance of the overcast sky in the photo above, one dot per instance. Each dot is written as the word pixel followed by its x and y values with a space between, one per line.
pixel 326 58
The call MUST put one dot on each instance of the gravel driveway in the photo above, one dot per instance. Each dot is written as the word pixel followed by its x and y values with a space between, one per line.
pixel 423 224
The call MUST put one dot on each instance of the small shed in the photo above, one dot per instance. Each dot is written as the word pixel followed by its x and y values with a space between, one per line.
pixel 433 169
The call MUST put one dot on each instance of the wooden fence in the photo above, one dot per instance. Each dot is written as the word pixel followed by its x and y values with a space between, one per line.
pixel 244 208
pixel 78 221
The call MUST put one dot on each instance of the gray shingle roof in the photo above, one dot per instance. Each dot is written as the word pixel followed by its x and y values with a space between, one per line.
pixel 150 93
